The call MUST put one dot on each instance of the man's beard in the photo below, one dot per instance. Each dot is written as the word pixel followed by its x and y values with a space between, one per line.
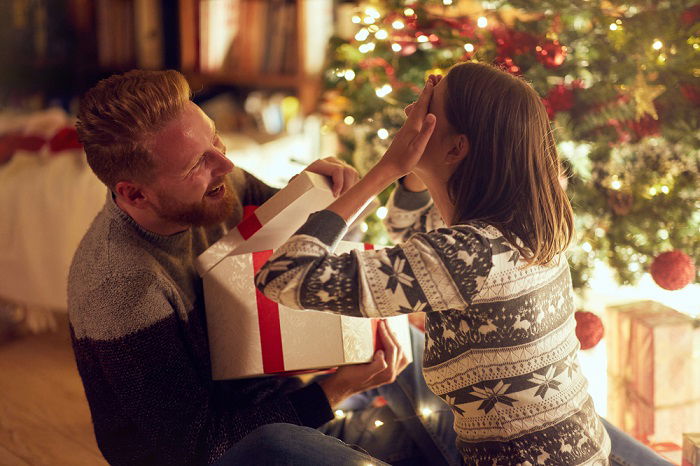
pixel 206 212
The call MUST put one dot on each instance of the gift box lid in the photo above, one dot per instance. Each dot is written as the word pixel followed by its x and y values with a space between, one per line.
pixel 273 222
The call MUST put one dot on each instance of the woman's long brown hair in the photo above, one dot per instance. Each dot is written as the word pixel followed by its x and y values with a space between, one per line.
pixel 510 177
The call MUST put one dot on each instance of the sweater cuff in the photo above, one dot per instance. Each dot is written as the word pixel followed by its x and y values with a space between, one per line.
pixel 311 405
pixel 326 226
pixel 409 200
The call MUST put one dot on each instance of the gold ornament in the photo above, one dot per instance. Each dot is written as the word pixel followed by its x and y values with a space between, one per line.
pixel 644 95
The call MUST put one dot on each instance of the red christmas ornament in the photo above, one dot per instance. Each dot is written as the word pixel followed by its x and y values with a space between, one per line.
pixel 691 92
pixel 673 270
pixel 560 98
pixel 551 54
pixel 589 329
pixel 691 15
pixel 645 126
pixel 511 43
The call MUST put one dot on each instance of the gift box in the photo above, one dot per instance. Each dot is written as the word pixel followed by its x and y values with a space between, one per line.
pixel 271 224
pixel 250 335
pixel 653 371
pixel 691 450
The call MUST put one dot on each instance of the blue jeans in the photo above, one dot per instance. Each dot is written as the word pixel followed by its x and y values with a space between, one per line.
pixel 291 445
pixel 626 451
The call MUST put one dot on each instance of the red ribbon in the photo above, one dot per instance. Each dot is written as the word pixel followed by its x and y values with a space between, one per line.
pixel 249 225
pixel 66 138
pixel 268 322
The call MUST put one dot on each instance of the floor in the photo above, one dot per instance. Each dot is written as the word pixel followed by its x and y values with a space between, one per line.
pixel 44 417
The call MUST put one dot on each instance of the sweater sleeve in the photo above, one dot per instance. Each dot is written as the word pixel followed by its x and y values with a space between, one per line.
pixel 151 397
pixel 409 213
pixel 436 271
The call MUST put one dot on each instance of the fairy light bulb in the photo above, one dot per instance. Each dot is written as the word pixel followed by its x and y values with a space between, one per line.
pixel 616 184
pixel 398 24
pixel 426 412
pixel 362 34
pixel 372 12
pixel 383 91
pixel 364 227
pixel 381 34
pixel 447 2
pixel 381 212
pixel 348 120
pixel 633 267
pixel 423 38
pixel 382 133
pixel 396 47
pixel 587 247
pixel 657 45
pixel 663 234
pixel 613 27
pixel 469 47
pixel 482 22
pixel 349 75
pixel 378 423
pixel 368 47
pixel 368 20
pixel 409 12
pixel 665 189
pixel 339 414
pixel 653 191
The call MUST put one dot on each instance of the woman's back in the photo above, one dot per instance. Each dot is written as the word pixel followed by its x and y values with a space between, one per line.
pixel 506 359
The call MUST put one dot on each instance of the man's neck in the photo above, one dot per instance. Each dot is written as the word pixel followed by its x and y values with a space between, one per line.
pixel 149 221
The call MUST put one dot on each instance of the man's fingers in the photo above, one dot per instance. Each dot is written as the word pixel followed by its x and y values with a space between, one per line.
pixel 338 180
pixel 350 177
pixel 390 346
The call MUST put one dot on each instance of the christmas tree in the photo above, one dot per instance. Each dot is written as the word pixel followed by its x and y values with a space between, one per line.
pixel 619 81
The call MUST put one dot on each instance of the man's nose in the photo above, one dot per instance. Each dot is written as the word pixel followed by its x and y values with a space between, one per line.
pixel 222 164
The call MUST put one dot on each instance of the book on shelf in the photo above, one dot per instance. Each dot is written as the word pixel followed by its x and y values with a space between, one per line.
pixel 262 37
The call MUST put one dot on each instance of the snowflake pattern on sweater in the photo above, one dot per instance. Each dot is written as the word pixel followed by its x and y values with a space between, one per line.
pixel 500 348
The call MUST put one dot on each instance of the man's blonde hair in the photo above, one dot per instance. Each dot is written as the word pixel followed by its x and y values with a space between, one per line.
pixel 119 113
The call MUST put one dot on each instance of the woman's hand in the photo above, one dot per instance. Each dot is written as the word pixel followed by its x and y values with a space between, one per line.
pixel 408 144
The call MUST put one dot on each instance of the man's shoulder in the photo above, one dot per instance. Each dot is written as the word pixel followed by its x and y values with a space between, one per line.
pixel 111 282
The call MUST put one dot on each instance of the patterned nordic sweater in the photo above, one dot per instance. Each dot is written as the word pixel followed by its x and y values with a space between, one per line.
pixel 500 343
pixel 139 335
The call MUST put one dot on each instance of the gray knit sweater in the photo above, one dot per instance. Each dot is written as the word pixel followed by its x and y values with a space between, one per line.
pixel 139 335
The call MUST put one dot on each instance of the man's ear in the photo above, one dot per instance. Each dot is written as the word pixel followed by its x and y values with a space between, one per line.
pixel 131 194
pixel 459 150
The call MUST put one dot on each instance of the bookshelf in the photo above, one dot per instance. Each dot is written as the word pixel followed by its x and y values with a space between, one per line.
pixel 256 44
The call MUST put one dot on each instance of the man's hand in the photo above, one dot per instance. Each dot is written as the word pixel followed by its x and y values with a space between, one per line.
pixel 342 174
pixel 386 365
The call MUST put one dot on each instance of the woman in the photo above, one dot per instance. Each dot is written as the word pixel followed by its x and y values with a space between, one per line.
pixel 495 285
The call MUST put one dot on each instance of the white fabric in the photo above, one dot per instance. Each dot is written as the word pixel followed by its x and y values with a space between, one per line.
pixel 46 205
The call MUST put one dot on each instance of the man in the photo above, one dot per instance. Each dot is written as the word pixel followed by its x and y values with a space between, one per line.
pixel 136 303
